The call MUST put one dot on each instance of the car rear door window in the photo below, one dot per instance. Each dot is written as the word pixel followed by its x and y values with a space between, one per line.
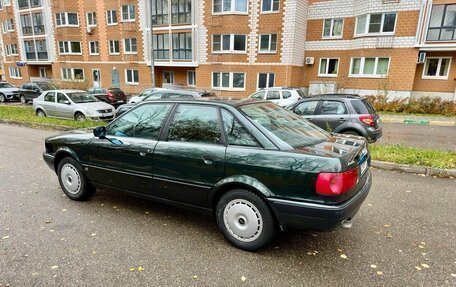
pixel 50 97
pixel 333 108
pixel 273 95
pixel 236 134
pixel 306 108
pixel 362 107
pixel 142 122
pixel 286 94
pixel 192 123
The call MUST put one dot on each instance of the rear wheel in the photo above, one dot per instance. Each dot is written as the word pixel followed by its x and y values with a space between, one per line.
pixel 73 181
pixel 2 98
pixel 353 133
pixel 23 99
pixel 245 220
pixel 40 113
pixel 79 117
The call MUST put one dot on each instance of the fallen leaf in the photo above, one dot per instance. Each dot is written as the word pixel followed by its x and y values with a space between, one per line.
pixel 343 256
pixel 424 265
pixel 421 246
pixel 386 225
pixel 408 191
pixel 47 222
pixel 369 204
pixel 379 273
pixel 373 266
pixel 389 235
pixel 453 274
pixel 94 252
pixel 418 268
pixel 64 209
pixel 422 243
pixel 54 267
pixel 34 273
pixel 194 277
pixel 5 237
pixel 51 230
pixel 338 249
pixel 93 234
pixel 243 278
pixel 140 268
pixel 132 269
pixel 400 251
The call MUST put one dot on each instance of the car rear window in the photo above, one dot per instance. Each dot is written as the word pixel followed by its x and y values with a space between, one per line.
pixel 363 107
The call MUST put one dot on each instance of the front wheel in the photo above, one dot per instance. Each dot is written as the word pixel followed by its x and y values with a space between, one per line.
pixel 245 220
pixel 23 99
pixel 73 181
pixel 2 98
pixel 80 117
pixel 40 113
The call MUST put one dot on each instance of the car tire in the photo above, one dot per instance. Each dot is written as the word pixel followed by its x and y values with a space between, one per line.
pixel 23 99
pixel 245 219
pixel 2 98
pixel 40 113
pixel 72 180
pixel 79 117
pixel 350 132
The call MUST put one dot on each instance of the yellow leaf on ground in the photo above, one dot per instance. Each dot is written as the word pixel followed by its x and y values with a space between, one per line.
pixel 418 268
pixel 243 278
pixel 453 274
pixel 386 225
pixel 421 246
pixel 54 267
pixel 34 273
pixel 379 273
pixel 195 277
pixel 343 256
pixel 424 265
pixel 5 237
pixel 373 266
pixel 140 268
pixel 132 269
pixel 93 234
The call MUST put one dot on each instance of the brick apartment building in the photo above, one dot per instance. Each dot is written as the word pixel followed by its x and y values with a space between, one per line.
pixel 234 47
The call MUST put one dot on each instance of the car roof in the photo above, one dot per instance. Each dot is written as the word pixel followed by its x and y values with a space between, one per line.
pixel 279 88
pixel 339 96
pixel 215 101
pixel 67 91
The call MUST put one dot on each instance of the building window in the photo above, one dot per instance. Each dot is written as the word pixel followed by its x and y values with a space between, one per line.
pixel 43 72
pixel 229 43
pixel 168 77
pixel 332 28
pixel 128 13
pixel 11 50
pixel 91 19
pixel 114 47
pixel 181 11
pixel 15 73
pixel 268 43
pixel 369 67
pixel 270 5
pixel 228 81
pixel 442 23
pixel 182 46
pixel 94 48
pixel 26 4
pixel 70 48
pixel 132 77
pixel 191 78
pixel 8 26
pixel 383 23
pixel 66 19
pixel 130 46
pixel 111 17
pixel 229 6
pixel 160 12
pixel 32 24
pixel 36 50
pixel 161 46
pixel 437 68
pixel 328 67
pixel 266 80
pixel 70 74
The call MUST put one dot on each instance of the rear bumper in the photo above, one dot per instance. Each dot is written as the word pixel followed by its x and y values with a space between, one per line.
pixel 49 159
pixel 319 217
pixel 374 135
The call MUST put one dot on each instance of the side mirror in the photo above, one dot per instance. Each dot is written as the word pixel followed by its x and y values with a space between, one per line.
pixel 100 132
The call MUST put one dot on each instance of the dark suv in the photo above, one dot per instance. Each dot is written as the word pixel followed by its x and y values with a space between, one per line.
pixel 341 113
pixel 33 90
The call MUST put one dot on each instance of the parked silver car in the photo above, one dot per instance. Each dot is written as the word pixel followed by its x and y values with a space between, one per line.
pixel 8 92
pixel 73 104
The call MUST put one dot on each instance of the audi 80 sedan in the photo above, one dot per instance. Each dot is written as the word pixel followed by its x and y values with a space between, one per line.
pixel 253 165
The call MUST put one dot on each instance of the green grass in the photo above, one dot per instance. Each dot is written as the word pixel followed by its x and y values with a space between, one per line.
pixel 411 114
pixel 27 116
pixel 414 156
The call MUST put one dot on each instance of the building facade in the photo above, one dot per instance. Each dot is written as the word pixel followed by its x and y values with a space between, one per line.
pixel 403 48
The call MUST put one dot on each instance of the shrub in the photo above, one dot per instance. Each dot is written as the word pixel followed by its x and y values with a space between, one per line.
pixel 424 105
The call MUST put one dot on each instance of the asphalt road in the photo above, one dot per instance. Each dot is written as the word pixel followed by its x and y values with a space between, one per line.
pixel 407 223
pixel 420 136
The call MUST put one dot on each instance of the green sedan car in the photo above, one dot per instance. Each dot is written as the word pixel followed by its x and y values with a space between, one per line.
pixel 256 167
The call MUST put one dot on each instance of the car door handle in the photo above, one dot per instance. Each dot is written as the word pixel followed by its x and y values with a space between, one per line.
pixel 309 119
pixel 342 120
pixel 208 159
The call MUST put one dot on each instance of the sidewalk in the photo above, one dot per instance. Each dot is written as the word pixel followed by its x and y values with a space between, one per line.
pixel 419 120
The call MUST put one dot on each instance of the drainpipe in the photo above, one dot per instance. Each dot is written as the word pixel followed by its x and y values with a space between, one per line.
pixel 151 33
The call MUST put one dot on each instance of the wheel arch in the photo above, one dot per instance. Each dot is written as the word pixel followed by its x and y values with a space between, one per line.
pixel 63 152
pixel 353 129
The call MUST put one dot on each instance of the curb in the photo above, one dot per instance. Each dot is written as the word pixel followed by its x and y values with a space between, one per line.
pixel 414 169
pixel 419 122
pixel 37 125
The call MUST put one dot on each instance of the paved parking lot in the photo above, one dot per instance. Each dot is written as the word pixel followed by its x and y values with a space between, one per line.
pixel 403 235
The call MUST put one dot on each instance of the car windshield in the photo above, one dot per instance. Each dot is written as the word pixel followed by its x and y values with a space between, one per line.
pixel 6 85
pixel 284 125
pixel 46 86
pixel 82 98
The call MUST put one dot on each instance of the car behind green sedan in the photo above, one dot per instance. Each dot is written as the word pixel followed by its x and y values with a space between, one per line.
pixel 254 166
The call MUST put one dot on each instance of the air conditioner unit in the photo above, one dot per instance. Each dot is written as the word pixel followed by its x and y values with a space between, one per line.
pixel 421 57
pixel 310 60
pixel 89 30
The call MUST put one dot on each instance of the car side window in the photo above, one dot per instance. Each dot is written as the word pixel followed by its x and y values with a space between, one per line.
pixel 142 122
pixel 50 97
pixel 152 97
pixel 286 94
pixel 306 108
pixel 333 108
pixel 192 123
pixel 177 95
pixel 273 95
pixel 236 134
pixel 61 98
pixel 26 86
pixel 258 95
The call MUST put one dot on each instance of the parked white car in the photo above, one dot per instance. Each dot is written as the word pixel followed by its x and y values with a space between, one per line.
pixel 145 93
pixel 73 104
pixel 279 95
pixel 8 92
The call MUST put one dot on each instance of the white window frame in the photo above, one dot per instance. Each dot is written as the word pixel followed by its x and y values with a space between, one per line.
pixel 188 78
pixel 9 25
pixel 129 16
pixel 43 72
pixel 426 64
pixel 69 52
pixel 327 67
pixel 231 50
pixel 132 76
pixel 109 47
pixel 269 51
pixel 94 18
pixel 361 69
pixel 231 11
pixel 97 48
pixel 171 73
pixel 66 19
pixel 230 88
pixel 331 29
pixel 125 46
pixel 9 50
pixel 267 80
pixel 271 10
pixel 368 20
pixel 71 74
pixel 15 73
pixel 109 14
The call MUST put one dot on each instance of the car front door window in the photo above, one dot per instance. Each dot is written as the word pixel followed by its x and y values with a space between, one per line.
pixel 306 108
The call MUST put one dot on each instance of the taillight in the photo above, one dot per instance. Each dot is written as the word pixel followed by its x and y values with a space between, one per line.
pixel 333 183
pixel 110 95
pixel 368 120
